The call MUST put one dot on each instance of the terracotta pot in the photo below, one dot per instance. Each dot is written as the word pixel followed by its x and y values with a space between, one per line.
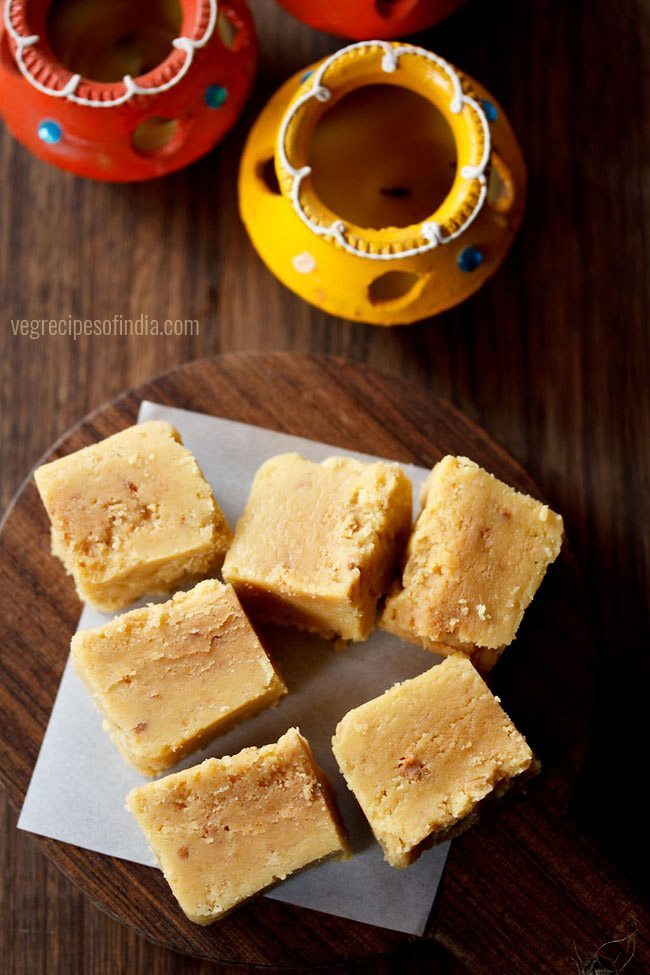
pixel 365 19
pixel 124 89
pixel 382 185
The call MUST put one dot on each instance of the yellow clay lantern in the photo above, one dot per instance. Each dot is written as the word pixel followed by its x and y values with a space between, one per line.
pixel 381 184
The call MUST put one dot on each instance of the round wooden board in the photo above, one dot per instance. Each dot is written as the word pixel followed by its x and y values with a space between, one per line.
pixel 523 877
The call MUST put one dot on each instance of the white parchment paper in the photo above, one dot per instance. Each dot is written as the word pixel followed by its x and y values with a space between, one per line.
pixel 80 781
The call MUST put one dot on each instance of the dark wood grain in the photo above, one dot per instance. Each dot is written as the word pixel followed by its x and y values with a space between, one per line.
pixel 528 866
pixel 551 357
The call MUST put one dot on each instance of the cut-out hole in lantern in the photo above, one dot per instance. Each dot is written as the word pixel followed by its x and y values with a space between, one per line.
pixel 501 188
pixel 395 9
pixel 392 285
pixel 229 31
pixel 266 172
pixel 382 156
pixel 155 135
pixel 103 40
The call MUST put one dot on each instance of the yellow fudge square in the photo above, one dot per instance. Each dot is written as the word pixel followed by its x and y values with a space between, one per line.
pixel 171 676
pixel 133 515
pixel 230 827
pixel 423 756
pixel 317 544
pixel 475 559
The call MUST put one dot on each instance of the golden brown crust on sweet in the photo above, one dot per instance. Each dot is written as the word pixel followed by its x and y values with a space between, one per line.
pixel 421 757
pixel 476 556
pixel 133 515
pixel 170 677
pixel 317 544
pixel 230 827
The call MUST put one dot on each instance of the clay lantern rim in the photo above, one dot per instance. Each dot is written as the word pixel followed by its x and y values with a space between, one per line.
pixel 418 70
pixel 45 72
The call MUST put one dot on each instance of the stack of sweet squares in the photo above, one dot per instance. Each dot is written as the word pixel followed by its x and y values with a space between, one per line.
pixel 321 547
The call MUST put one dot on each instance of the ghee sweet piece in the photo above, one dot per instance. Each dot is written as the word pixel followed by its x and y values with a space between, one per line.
pixel 228 828
pixel 132 515
pixel 317 544
pixel 169 677
pixel 421 757
pixel 477 555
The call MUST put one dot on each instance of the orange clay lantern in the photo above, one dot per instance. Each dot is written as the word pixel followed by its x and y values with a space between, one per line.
pixel 364 19
pixel 124 89
pixel 381 185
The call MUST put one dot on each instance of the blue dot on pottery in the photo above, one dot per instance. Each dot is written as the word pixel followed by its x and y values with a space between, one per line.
pixel 50 132
pixel 306 75
pixel 470 259
pixel 216 96
pixel 490 110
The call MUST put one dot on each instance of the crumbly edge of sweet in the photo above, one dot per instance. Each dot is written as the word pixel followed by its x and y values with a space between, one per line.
pixel 206 919
pixel 161 580
pixel 329 797
pixel 509 785
pixel 239 761
pixel 151 765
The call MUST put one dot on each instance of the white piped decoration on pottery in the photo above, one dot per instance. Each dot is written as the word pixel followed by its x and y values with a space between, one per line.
pixel 431 232
pixel 131 88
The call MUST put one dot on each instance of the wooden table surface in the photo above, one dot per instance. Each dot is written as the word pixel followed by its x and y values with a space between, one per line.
pixel 551 358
